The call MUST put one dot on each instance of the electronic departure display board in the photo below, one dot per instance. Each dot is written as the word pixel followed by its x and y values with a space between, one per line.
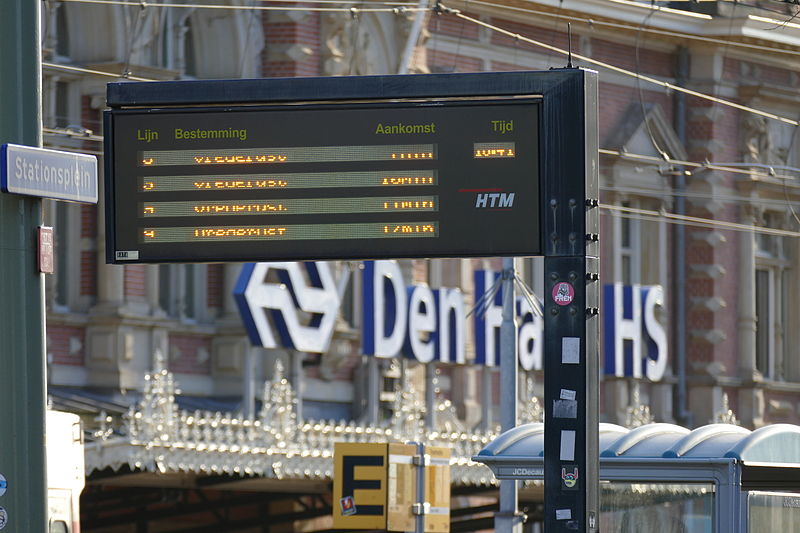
pixel 422 178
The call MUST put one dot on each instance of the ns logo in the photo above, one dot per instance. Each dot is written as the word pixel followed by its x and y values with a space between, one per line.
pixel 300 300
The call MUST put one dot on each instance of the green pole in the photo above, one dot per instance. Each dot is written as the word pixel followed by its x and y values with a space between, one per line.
pixel 22 367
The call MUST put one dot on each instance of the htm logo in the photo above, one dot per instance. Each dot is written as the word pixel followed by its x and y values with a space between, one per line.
pixel 494 199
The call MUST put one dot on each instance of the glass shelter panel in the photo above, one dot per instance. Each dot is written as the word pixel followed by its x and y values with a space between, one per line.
pixel 666 508
pixel 769 512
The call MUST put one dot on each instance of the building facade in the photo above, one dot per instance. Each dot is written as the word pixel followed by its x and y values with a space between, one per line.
pixel 699 231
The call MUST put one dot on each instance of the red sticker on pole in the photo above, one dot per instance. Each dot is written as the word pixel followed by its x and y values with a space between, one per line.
pixel 563 293
pixel 46 250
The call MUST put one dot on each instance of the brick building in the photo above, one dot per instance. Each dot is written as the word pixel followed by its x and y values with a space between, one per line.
pixel 698 197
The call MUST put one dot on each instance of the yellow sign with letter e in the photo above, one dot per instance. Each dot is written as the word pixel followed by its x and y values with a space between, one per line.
pixel 359 485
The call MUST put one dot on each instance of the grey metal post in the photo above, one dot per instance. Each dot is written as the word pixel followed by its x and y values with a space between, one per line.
pixel 296 379
pixel 684 415
pixel 508 520
pixel 373 404
pixel 420 509
pixel 249 379
pixel 22 359
pixel 486 398
pixel 430 396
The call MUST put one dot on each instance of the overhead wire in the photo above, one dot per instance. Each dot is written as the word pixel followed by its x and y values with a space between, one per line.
pixel 698 166
pixel 674 218
pixel 643 192
pixel 83 70
pixel 133 33
pixel 718 85
pixel 626 72
pixel 460 38
pixel 245 7
pixel 639 88
pixel 85 136
pixel 340 2
pixel 618 25
pixel 785 22
pixel 671 161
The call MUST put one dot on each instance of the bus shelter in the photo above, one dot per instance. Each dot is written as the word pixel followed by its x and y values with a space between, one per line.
pixel 718 478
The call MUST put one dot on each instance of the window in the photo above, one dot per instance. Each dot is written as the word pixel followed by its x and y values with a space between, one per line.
pixel 629 234
pixel 182 291
pixel 62 266
pixel 176 43
pixel 627 249
pixel 772 281
pixel 66 292
pixel 763 321
pixel 61 30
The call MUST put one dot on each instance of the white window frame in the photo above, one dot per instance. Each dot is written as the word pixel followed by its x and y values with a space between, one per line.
pixel 177 298
pixel 634 249
pixel 775 263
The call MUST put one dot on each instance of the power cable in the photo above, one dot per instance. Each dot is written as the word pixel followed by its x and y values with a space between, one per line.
pixel 83 70
pixel 639 89
pixel 661 195
pixel 785 22
pixel 696 221
pixel 700 166
pixel 460 38
pixel 665 84
pixel 134 34
pixel 622 26
pixel 243 8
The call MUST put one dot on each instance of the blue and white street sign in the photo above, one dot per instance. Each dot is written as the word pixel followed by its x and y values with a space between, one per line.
pixel 48 173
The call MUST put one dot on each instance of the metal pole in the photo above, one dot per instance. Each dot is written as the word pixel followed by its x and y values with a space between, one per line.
pixel 296 379
pixel 421 508
pixel 486 399
pixel 249 385
pixel 430 396
pixel 22 380
pixel 508 520
pixel 679 264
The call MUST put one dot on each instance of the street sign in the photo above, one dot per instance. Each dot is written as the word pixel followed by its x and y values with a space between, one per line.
pixel 48 173
pixel 359 485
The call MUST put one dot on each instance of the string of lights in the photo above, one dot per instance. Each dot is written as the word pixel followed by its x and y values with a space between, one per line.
pixel 620 70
